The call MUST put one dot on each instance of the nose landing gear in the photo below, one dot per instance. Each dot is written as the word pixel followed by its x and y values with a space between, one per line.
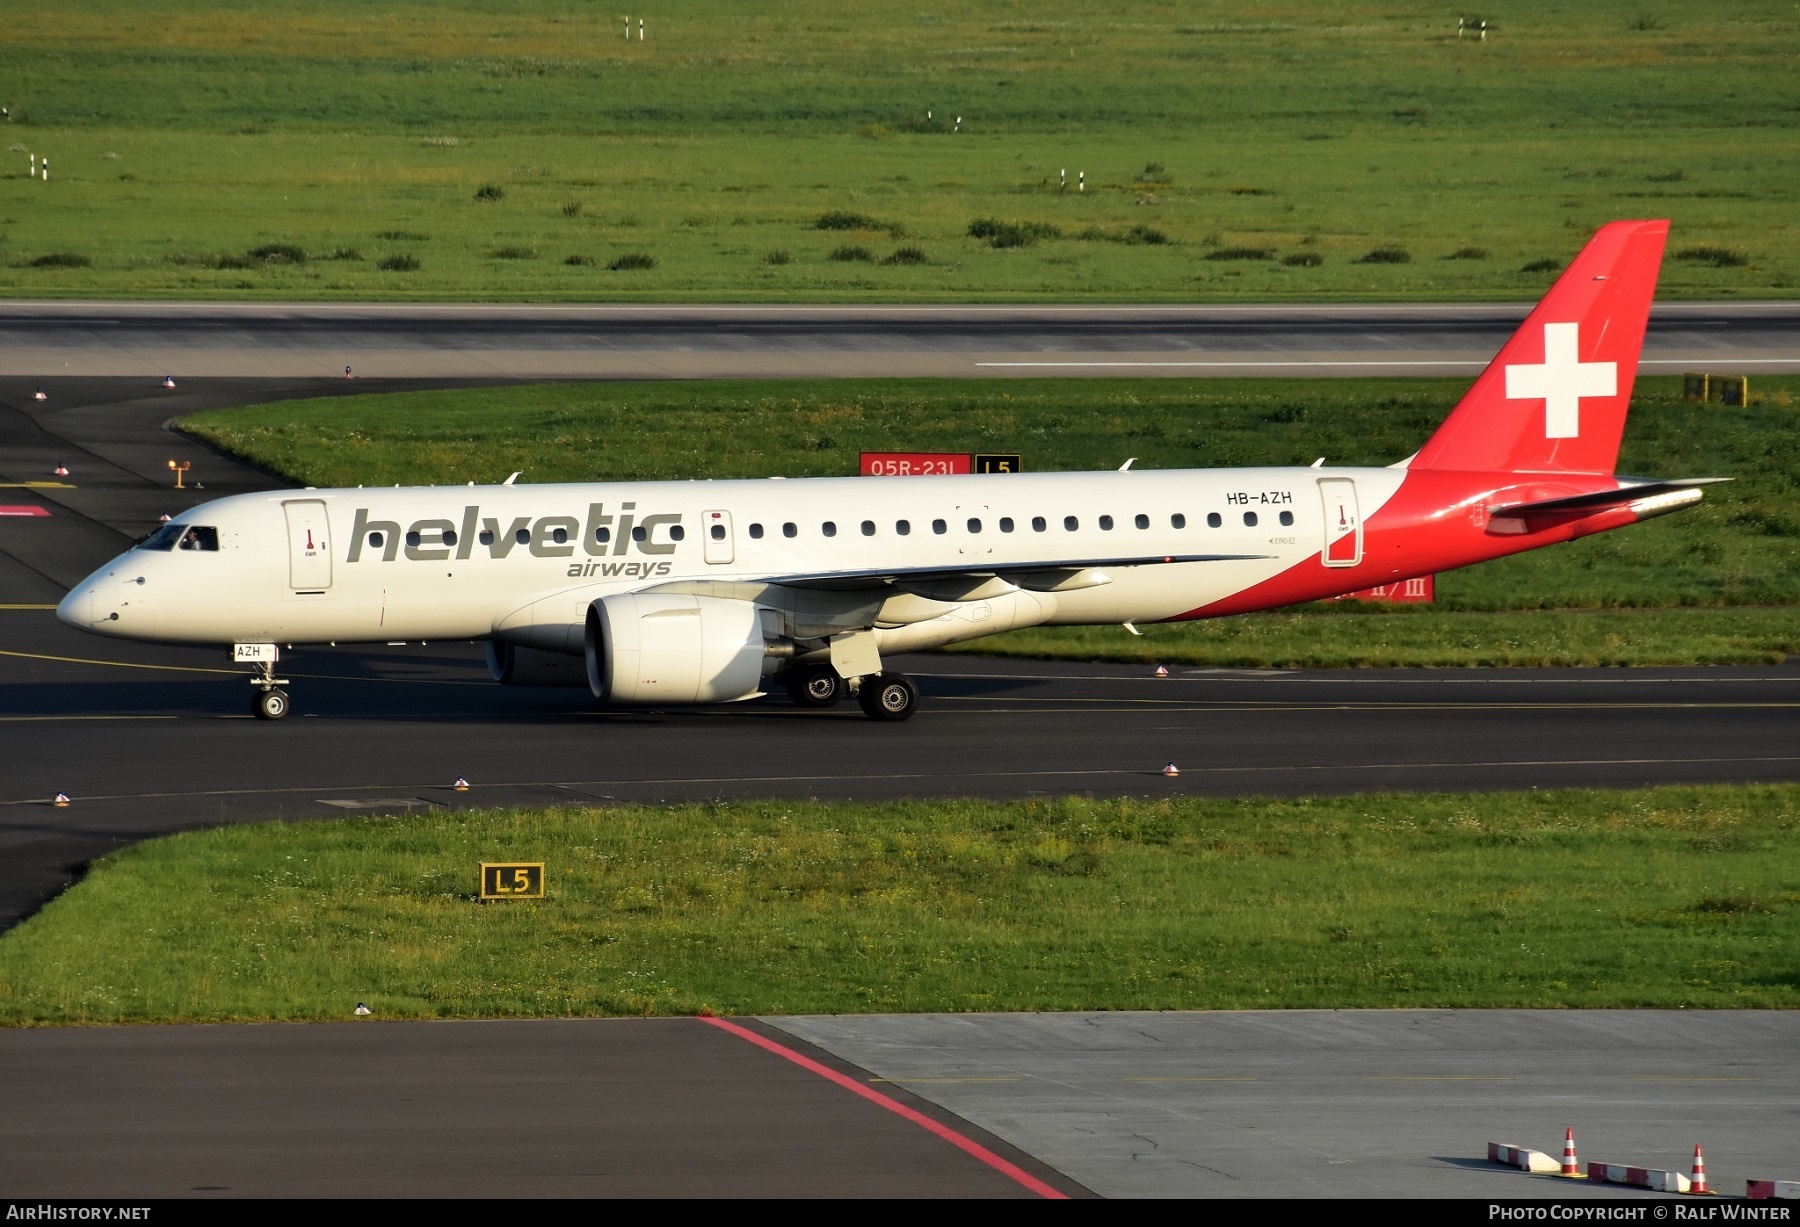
pixel 270 702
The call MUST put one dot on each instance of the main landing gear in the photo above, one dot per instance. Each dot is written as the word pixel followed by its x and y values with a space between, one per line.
pixel 888 696
pixel 270 701
pixel 882 696
pixel 814 685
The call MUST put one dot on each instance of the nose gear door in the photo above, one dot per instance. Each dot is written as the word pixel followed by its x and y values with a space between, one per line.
pixel 1343 524
pixel 309 545
pixel 715 526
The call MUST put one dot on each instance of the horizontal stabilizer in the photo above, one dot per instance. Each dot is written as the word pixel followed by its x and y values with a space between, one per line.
pixel 1600 499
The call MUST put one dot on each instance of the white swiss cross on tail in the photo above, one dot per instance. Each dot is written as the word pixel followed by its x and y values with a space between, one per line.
pixel 1561 380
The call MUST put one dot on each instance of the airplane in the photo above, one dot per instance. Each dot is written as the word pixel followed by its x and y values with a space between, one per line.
pixel 674 593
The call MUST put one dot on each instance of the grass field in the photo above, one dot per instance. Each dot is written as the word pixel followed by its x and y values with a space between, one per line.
pixel 1717 584
pixel 502 149
pixel 1666 898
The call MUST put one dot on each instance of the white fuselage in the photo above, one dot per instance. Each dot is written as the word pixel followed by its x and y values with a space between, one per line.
pixel 521 564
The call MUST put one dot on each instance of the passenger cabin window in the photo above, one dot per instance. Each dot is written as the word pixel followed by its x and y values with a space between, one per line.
pixel 1214 519
pixel 639 533
pixel 1037 524
pixel 1249 519
pixel 1106 524
pixel 717 531
pixel 1177 520
pixel 200 538
pixel 449 536
pixel 602 535
pixel 788 529
pixel 939 527
pixel 1287 519
pixel 486 535
pixel 974 525
pixel 756 532
pixel 868 528
pixel 377 540
pixel 411 539
pixel 902 527
pixel 558 535
pixel 523 537
pixel 678 533
pixel 1006 524
pixel 1070 523
pixel 1142 521
pixel 828 528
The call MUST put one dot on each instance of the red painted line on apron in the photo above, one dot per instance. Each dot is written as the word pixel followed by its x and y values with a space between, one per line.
pixel 967 1145
pixel 23 509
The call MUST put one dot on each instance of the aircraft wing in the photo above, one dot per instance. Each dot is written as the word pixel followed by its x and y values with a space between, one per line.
pixel 941 583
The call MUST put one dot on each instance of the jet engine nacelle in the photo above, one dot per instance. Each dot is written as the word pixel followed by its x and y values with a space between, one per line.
pixel 511 665
pixel 656 648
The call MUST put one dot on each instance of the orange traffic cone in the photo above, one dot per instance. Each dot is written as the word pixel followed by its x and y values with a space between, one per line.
pixel 1171 769
pixel 1697 1184
pixel 1570 1167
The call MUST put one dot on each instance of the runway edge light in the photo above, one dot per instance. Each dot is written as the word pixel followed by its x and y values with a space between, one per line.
pixel 1170 769
pixel 62 799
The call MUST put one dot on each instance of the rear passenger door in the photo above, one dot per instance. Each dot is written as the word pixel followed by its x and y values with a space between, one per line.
pixel 1343 524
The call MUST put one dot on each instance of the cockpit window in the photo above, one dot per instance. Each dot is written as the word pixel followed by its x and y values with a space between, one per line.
pixel 201 538
pixel 163 538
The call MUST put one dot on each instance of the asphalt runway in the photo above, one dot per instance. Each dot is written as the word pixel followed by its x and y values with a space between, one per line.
pixel 506 1109
pixel 507 342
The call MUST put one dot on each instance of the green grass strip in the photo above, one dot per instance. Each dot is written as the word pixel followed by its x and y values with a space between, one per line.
pixel 1667 897
pixel 1134 152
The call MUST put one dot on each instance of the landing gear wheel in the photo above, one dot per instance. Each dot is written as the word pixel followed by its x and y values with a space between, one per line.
pixel 270 704
pixel 888 696
pixel 814 685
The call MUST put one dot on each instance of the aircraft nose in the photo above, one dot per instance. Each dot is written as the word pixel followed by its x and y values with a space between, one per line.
pixel 77 609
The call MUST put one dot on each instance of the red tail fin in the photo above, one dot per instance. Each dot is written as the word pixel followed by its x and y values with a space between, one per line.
pixel 1554 399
